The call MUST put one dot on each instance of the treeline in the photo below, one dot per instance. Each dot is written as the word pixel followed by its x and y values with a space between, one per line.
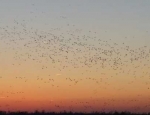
pixel 69 113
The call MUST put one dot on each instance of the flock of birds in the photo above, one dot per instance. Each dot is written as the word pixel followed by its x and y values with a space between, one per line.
pixel 77 58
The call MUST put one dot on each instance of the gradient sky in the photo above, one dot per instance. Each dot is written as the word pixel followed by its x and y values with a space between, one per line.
pixel 75 55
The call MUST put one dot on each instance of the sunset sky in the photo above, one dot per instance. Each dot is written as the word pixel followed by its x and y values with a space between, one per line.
pixel 75 55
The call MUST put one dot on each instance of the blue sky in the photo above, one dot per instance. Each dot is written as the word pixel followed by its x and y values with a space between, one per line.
pixel 119 16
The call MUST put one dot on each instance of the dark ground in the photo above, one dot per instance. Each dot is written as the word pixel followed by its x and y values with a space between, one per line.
pixel 70 113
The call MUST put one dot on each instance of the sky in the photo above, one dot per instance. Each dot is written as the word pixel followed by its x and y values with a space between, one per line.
pixel 75 55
